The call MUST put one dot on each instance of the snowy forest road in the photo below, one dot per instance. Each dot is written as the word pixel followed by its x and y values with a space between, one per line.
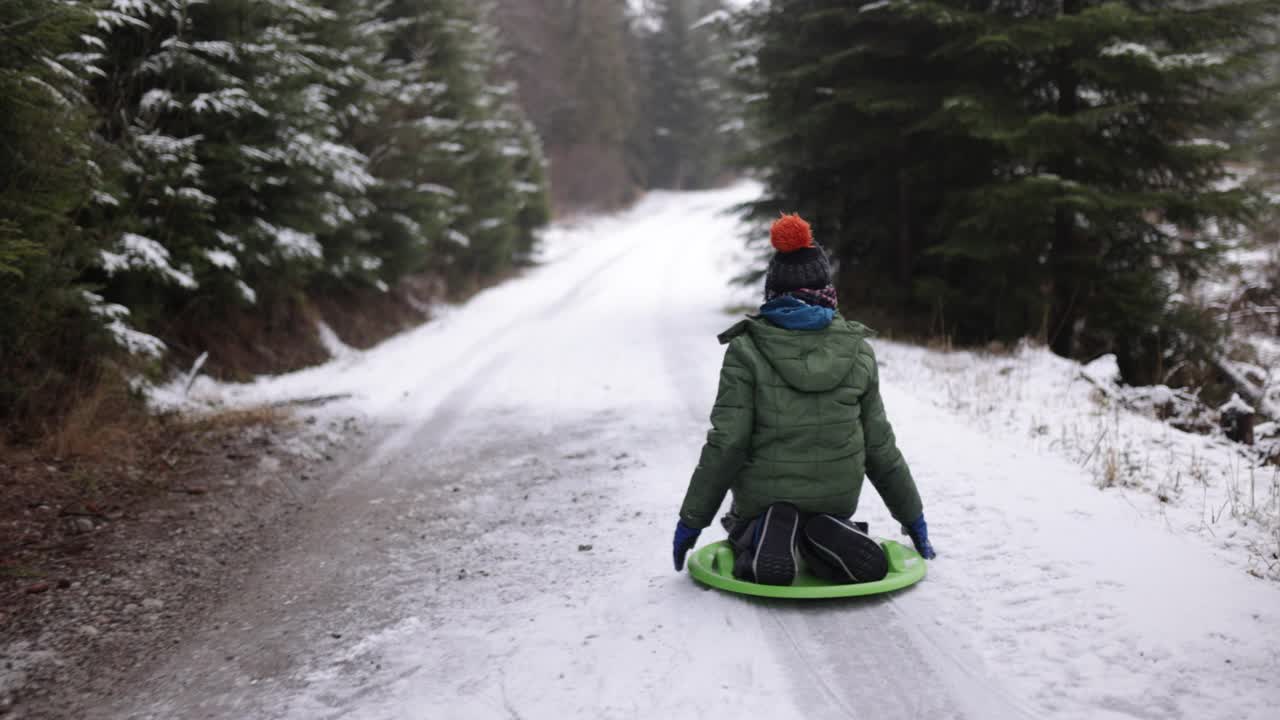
pixel 503 549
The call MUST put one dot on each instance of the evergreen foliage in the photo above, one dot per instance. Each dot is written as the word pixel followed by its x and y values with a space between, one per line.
pixel 626 95
pixel 1264 138
pixel 689 134
pixel 178 172
pixel 171 163
pixel 993 169
pixel 46 177
pixel 591 126
pixel 456 156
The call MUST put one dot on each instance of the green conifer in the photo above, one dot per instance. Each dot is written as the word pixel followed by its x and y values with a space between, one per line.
pixel 1014 168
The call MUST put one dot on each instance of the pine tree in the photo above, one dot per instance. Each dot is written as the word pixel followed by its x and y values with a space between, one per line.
pixel 529 184
pixel 589 131
pixel 230 155
pixel 171 163
pixel 625 94
pixel 679 113
pixel 1030 167
pixel 47 175
pixel 717 43
pixel 685 93
pixel 842 99
pixel 458 159
pixel 1262 141
pixel 1106 127
pixel 44 172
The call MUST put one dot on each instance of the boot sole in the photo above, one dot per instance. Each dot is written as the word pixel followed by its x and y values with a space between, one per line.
pixel 775 557
pixel 847 549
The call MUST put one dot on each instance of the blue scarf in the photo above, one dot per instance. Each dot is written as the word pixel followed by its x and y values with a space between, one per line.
pixel 792 314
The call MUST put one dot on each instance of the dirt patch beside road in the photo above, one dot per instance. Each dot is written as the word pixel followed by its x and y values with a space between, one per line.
pixel 103 563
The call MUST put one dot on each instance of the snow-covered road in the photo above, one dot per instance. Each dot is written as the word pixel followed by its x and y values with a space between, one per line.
pixel 503 549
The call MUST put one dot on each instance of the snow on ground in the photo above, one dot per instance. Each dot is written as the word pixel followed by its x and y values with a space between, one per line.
pixel 1199 485
pixel 405 377
pixel 1090 593
pixel 591 377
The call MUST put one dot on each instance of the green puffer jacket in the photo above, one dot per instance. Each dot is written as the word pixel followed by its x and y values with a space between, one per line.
pixel 798 418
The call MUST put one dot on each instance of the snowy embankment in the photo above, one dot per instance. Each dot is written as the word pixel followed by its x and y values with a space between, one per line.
pixel 505 551
pixel 1200 485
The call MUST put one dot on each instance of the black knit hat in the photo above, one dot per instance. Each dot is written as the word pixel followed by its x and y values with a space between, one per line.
pixel 799 263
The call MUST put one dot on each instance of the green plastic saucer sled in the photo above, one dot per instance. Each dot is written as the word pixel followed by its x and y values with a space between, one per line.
pixel 713 565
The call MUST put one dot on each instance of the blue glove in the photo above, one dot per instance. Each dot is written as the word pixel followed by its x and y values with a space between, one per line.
pixel 685 538
pixel 919 532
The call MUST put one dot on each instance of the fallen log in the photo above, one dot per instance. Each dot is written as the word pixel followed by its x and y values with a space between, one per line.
pixel 1254 395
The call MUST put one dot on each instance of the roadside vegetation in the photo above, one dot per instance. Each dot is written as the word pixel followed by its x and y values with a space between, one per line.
pixel 1068 171
pixel 187 182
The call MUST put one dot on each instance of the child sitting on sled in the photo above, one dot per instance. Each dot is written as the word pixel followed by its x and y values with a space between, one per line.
pixel 798 421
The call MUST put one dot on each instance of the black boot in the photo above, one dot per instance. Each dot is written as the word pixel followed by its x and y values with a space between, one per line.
pixel 839 551
pixel 767 547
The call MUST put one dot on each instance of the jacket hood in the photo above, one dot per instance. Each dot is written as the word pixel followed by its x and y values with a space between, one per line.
pixel 808 360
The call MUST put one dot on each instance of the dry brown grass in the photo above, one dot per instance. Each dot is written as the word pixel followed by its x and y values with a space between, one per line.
pixel 106 422
pixel 232 420
pixel 106 457
pixel 941 344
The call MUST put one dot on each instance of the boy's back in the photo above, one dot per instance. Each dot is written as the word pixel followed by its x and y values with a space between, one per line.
pixel 798 422
pixel 798 419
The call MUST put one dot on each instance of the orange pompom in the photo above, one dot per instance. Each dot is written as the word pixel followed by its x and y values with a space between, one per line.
pixel 789 233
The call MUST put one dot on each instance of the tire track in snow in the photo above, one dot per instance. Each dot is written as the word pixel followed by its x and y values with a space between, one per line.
pixel 489 358
pixel 980 695
pixel 835 699
pixel 491 645
pixel 354 507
